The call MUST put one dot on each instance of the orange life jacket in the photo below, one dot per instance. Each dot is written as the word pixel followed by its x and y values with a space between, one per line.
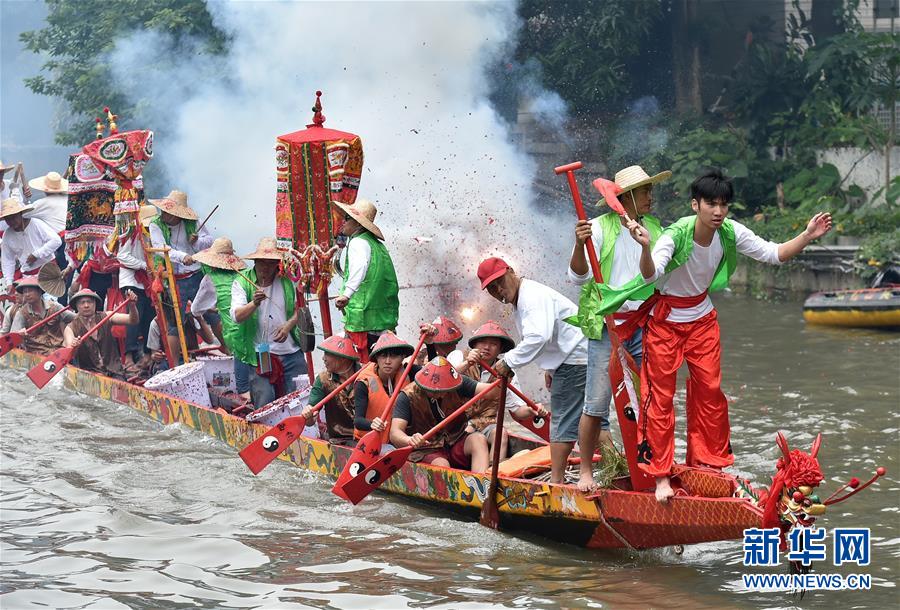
pixel 378 399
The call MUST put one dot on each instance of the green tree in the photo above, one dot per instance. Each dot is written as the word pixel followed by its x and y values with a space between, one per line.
pixel 79 36
pixel 583 46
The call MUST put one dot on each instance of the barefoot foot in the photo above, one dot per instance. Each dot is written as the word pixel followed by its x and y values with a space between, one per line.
pixel 664 490
pixel 586 482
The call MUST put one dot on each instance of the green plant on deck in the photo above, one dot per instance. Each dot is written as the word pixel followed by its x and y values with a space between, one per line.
pixel 878 251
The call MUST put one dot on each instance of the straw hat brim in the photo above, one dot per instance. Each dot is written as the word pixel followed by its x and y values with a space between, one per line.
pixel 82 294
pixel 40 184
pixel 175 209
pixel 51 281
pixel 365 222
pixel 220 261
pixel 263 256
pixel 661 176
pixel 19 210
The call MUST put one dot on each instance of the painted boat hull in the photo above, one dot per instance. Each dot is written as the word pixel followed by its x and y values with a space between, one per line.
pixel 867 308
pixel 612 518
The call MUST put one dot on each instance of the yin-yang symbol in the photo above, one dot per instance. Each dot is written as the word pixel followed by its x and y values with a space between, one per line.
pixel 356 468
pixel 372 477
pixel 270 443
pixel 49 366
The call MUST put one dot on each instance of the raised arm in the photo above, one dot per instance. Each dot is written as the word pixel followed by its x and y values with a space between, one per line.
pixel 818 225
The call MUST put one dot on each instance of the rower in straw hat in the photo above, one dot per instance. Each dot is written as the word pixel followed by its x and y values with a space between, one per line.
pixel 28 243
pixel 369 293
pixel 619 258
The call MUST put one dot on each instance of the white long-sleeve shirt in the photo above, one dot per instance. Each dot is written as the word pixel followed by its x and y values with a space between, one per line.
pixel 357 256
pixel 131 259
pixel 547 339
pixel 271 314
pixel 180 245
pixel 625 267
pixel 37 238
pixel 206 297
pixel 52 210
pixel 695 276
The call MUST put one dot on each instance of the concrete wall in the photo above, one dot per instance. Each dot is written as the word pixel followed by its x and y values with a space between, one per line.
pixel 868 171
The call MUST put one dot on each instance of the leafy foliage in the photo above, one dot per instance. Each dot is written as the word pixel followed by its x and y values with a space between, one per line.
pixel 79 35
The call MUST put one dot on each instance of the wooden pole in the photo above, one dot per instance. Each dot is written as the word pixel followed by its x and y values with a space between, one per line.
pixel 176 304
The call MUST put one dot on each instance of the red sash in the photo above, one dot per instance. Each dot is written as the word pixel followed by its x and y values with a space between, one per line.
pixel 664 304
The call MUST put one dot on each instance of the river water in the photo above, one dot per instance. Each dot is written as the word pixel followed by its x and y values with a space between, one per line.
pixel 103 508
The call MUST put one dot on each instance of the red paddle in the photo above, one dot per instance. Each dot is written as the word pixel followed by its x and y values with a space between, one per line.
pixel 369 479
pixel 14 339
pixel 610 191
pixel 263 451
pixel 43 372
pixel 538 424
pixel 617 365
pixel 369 446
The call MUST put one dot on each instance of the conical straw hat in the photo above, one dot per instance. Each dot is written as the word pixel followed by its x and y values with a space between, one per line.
pixel 634 176
pixel 266 250
pixel 13 206
pixel 220 255
pixel 51 183
pixel 176 204
pixel 363 212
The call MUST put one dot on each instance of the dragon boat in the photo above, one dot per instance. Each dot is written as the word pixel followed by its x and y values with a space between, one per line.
pixel 710 505
pixel 865 308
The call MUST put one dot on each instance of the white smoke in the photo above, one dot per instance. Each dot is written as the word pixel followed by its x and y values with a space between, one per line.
pixel 410 79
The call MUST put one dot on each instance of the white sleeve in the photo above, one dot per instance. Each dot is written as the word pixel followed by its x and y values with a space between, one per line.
pixel 50 241
pixel 158 241
pixel 537 329
pixel 18 322
pixel 597 238
pixel 154 340
pixel 238 298
pixel 750 244
pixel 662 254
pixel 127 254
pixel 204 240
pixel 206 297
pixel 359 253
pixel 8 262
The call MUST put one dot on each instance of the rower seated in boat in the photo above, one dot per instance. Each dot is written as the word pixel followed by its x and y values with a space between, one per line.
pixel 437 392
pixel 374 386
pixel 98 353
pixel 488 342
pixel 48 337
pixel 341 360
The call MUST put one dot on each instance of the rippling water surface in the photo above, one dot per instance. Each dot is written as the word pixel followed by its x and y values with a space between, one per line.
pixel 103 508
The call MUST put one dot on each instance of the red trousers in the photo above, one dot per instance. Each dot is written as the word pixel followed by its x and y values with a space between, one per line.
pixel 666 346
pixel 361 341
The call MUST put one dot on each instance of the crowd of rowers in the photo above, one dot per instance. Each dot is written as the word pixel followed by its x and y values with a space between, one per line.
pixel 655 295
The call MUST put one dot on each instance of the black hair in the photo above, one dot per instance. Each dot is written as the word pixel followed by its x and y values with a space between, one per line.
pixel 712 185
pixel 394 351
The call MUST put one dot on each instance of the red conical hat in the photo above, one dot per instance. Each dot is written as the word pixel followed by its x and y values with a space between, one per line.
pixel 492 330
pixel 447 331
pixel 389 340
pixel 438 376
pixel 340 346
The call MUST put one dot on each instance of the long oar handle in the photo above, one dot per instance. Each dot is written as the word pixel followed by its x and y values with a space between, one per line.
pixel 45 320
pixel 335 392
pixel 531 404
pixel 569 171
pixel 208 216
pixel 446 421
pixel 249 281
pixel 105 319
pixel 399 385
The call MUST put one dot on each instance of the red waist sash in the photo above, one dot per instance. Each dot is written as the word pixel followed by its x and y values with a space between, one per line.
pixel 664 304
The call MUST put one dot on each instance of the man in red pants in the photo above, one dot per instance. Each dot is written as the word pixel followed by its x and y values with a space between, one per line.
pixel 694 256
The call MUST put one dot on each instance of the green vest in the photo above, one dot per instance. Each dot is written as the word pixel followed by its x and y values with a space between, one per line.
pixel 244 347
pixel 190 227
pixel 375 305
pixel 589 319
pixel 223 280
pixel 682 233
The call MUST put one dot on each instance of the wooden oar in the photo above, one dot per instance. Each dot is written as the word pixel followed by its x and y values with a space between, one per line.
pixel 369 446
pixel 263 451
pixel 46 370
pixel 369 479
pixel 490 516
pixel 208 216
pixel 14 339
pixel 627 425
pixel 538 424
pixel 249 281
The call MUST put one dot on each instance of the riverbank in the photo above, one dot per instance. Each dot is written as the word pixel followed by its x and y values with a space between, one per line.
pixel 816 269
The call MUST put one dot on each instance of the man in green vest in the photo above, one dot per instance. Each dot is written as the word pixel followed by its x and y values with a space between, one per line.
pixel 368 296
pixel 619 257
pixel 263 305
pixel 220 265
pixel 694 256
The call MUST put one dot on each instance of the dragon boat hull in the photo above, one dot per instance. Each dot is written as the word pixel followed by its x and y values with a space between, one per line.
pixel 866 308
pixel 611 518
